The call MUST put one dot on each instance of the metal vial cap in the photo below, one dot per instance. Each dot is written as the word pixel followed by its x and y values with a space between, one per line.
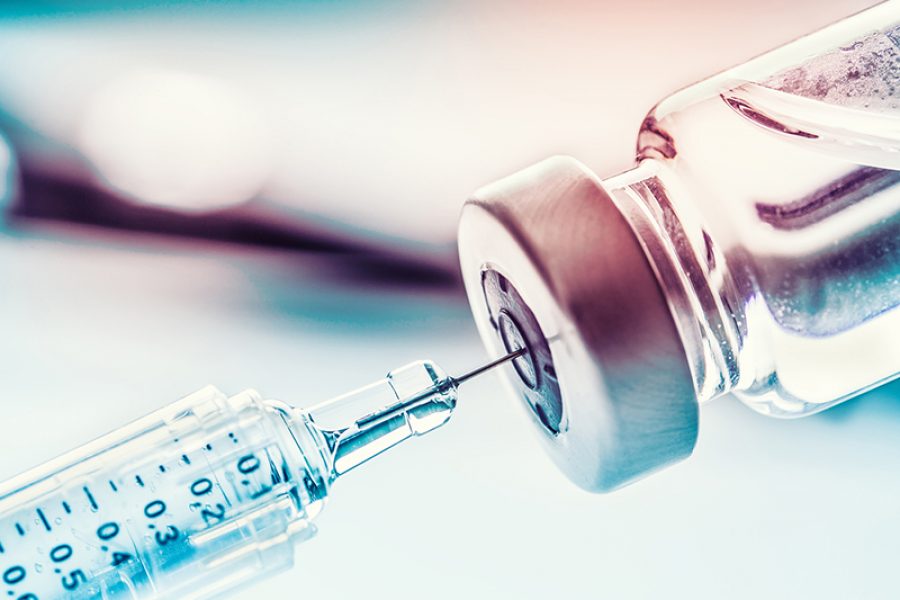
pixel 607 380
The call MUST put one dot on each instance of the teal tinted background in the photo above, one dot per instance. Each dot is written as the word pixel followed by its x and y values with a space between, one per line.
pixel 100 328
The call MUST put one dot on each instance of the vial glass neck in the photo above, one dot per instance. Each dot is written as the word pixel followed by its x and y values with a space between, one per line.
pixel 704 298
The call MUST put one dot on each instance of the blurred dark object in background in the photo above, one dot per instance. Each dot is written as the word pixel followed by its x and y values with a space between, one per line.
pixel 350 127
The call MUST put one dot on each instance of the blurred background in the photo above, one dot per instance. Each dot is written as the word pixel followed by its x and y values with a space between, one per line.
pixel 265 194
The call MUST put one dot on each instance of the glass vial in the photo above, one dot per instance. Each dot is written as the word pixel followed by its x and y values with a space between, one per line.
pixel 766 206
pixel 774 190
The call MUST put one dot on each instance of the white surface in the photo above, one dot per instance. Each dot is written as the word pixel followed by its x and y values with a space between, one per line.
pixel 96 335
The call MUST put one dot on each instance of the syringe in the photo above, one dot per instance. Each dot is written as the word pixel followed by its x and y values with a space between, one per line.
pixel 204 495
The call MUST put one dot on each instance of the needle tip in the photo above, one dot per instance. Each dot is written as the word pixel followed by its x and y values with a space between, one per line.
pixel 475 372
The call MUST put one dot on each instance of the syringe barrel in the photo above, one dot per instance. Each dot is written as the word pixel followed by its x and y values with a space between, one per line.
pixel 194 499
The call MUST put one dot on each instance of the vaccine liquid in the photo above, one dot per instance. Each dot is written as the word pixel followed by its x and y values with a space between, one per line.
pixel 783 181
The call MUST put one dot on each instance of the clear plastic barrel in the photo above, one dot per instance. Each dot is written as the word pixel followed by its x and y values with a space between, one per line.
pixel 203 496
pixel 777 184
pixel 195 499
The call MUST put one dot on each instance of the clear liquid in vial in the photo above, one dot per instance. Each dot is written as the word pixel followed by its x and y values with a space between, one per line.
pixel 797 179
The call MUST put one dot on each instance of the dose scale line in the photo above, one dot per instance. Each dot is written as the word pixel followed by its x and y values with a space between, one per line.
pixel 90 497
pixel 43 518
